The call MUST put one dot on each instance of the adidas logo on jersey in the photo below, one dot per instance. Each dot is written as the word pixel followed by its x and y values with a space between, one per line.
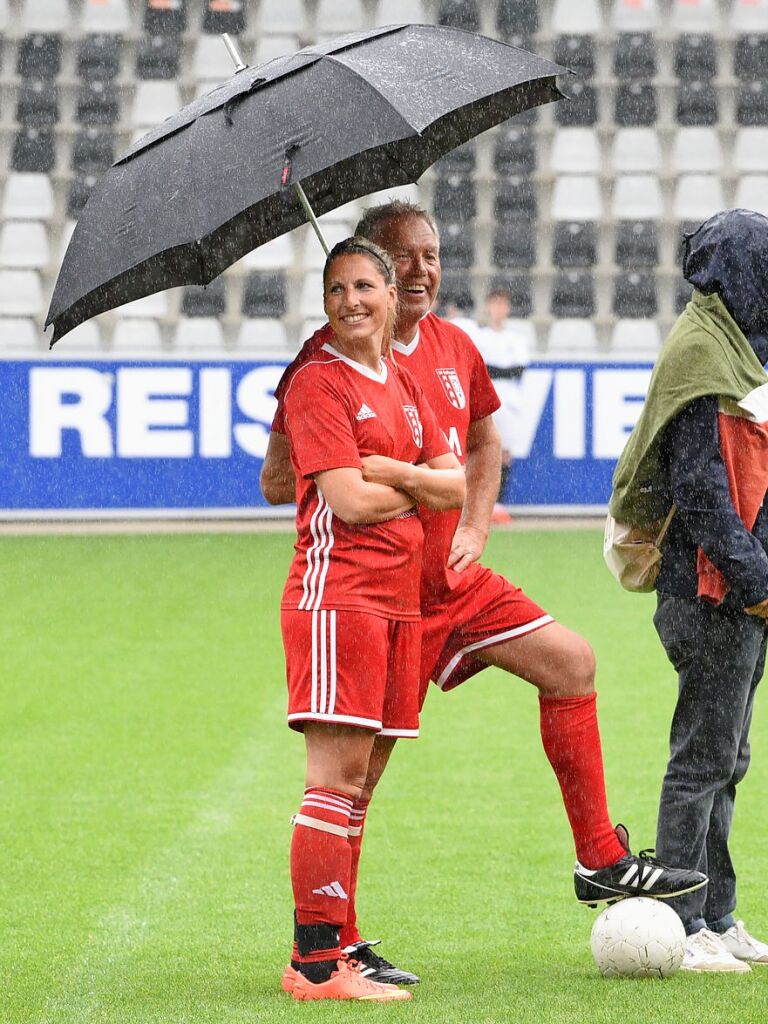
pixel 365 413
pixel 333 889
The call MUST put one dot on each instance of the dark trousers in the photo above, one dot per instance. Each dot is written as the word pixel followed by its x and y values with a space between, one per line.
pixel 719 655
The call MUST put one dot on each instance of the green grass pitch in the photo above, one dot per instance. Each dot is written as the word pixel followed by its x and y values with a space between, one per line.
pixel 147 779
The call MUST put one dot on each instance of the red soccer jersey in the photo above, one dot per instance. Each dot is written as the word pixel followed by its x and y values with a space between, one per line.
pixel 335 411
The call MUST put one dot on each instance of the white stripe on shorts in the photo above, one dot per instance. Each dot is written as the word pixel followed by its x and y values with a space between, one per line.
pixel 489 641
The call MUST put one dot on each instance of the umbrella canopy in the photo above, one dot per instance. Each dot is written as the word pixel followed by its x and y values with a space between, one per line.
pixel 352 116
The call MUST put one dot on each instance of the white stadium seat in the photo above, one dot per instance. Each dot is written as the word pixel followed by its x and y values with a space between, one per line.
pixel 269 47
pixel 28 197
pixel 24 245
pixel 636 149
pixel 311 301
pixel 636 336
pixel 150 307
pixel 261 334
pixel 634 15
pixel 4 15
pixel 696 16
pixel 21 336
pixel 86 337
pixel 105 16
pixel 212 62
pixel 571 337
pixel 137 336
pixel 575 151
pixel 314 257
pixel 749 16
pixel 577 197
pixel 310 325
pixel 752 193
pixel 335 19
pixel 153 102
pixel 697 149
pixel 637 197
pixel 276 17
pixel 274 255
pixel 697 196
pixel 576 17
pixel 198 334
pixel 400 12
pixel 44 16
pixel 21 293
pixel 750 149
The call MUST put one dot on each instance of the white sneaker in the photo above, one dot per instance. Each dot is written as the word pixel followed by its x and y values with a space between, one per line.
pixel 705 951
pixel 744 946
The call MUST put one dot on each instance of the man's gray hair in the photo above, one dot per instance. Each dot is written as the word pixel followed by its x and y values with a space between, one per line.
pixel 371 224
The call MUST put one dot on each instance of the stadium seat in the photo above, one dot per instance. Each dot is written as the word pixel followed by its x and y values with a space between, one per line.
pixel 105 16
pixel 461 160
pixel 573 294
pixel 278 17
pixel 261 334
pixel 577 197
pixel 137 336
pixel 205 301
pixel 153 102
pixel 264 294
pixel 749 15
pixel 637 197
pixel 34 150
pixel 641 336
pixel 697 196
pixel 212 62
pixel 28 197
pixel 517 17
pixel 636 149
pixel 514 151
pixel 20 336
pixel 224 16
pixel 682 295
pixel 574 244
pixel 515 197
pixel 97 103
pixel 695 15
pixel 337 19
pixel 457 245
pixel 576 17
pixel 696 149
pixel 20 293
pixel 86 337
pixel 576 53
pixel 634 295
pixel 37 103
pixel 518 287
pixel 24 245
pixel 456 290
pixel 459 14
pixel 269 47
pixel 80 189
pixel 514 244
pixel 39 56
pixel 634 15
pixel 695 57
pixel 277 254
pixel 579 108
pixel 750 55
pixel 149 307
pixel 637 244
pixel 157 57
pixel 575 151
pixel 749 149
pixel 634 55
pixel 454 198
pixel 164 18
pixel 697 103
pixel 43 16
pixel 397 12
pixel 98 57
pixel 198 334
pixel 571 337
pixel 635 105
pixel 752 193
pixel 752 104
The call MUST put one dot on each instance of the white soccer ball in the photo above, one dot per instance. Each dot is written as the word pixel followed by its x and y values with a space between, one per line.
pixel 638 938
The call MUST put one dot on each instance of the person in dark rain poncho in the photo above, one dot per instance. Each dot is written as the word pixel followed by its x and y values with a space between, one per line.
pixel 701 444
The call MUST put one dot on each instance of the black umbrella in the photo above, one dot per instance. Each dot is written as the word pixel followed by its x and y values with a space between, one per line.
pixel 346 118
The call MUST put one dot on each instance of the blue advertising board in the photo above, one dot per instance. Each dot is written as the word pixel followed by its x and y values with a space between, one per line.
pixel 175 437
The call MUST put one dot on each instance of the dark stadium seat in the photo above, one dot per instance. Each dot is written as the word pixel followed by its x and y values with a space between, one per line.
pixel 634 55
pixel 98 57
pixel 39 56
pixel 97 103
pixel 580 108
pixel 457 245
pixel 162 17
pixel 456 289
pixel 461 160
pixel 695 57
pixel 752 104
pixel 210 300
pixel 697 103
pixel 93 150
pixel 460 14
pixel 514 243
pixel 634 295
pixel 514 151
pixel 573 294
pixel 576 53
pixel 517 17
pixel 515 197
pixel 224 16
pixel 157 57
pixel 750 57
pixel 454 198
pixel 79 190
pixel 637 244
pixel 34 150
pixel 37 103
pixel 518 287
pixel 635 105
pixel 264 294
pixel 682 294
pixel 574 244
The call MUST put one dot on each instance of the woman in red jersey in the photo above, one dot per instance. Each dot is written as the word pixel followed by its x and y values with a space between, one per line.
pixel 350 609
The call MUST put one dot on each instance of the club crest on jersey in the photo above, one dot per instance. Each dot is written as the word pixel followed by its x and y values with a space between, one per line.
pixel 452 387
pixel 412 415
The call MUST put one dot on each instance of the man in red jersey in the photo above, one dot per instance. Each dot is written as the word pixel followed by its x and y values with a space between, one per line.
pixel 471 616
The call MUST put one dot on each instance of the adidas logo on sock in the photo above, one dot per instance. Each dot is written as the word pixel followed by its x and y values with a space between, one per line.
pixel 333 889
pixel 365 413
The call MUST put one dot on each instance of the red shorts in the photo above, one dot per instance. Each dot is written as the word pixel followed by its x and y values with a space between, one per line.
pixel 353 669
pixel 488 611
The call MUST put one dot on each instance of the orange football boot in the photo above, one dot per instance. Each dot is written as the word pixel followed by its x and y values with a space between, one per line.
pixel 346 982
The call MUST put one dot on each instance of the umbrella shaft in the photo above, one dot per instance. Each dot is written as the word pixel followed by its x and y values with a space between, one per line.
pixel 311 215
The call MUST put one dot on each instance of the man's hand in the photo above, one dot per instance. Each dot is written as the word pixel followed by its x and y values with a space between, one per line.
pixel 467 547
pixel 760 609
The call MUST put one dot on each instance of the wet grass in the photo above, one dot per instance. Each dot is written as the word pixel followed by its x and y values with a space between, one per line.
pixel 147 780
